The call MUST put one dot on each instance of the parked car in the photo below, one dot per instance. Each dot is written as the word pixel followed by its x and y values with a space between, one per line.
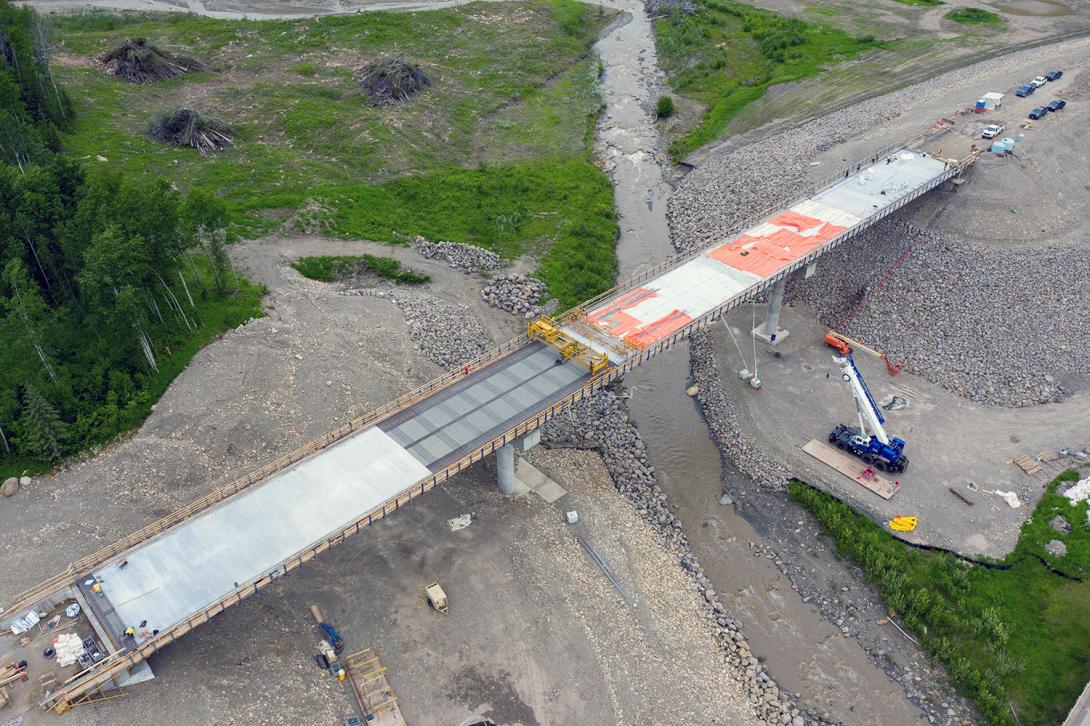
pixel 1038 112
pixel 1023 91
pixel 991 131
pixel 1057 104
pixel 1038 81
pixel 1054 75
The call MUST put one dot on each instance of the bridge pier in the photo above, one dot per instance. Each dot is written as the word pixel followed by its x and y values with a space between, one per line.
pixel 769 331
pixel 505 468
pixel 505 459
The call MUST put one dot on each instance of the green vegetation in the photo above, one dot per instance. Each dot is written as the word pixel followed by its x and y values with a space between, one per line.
pixel 665 107
pixel 923 3
pixel 108 286
pixel 32 106
pixel 1010 638
pixel 973 16
pixel 819 10
pixel 727 55
pixel 569 203
pixel 330 268
pixel 495 152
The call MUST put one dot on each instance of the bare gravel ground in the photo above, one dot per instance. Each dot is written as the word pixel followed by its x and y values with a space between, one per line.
pixel 536 634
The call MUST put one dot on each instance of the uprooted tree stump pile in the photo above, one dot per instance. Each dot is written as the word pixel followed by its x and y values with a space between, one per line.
pixel 137 62
pixel 186 127
pixel 392 80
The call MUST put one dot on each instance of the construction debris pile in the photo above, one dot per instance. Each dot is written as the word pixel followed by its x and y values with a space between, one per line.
pixel 960 324
pixel 137 62
pixel 602 422
pixel 186 127
pixel 392 80
pixel 445 333
pixel 466 258
pixel 68 647
pixel 515 293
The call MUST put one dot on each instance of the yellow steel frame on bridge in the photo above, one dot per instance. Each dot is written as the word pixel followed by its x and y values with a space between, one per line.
pixel 548 332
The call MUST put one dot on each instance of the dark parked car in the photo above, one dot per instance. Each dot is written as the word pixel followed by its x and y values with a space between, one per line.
pixel 1038 112
pixel 1057 104
pixel 1054 75
pixel 1024 91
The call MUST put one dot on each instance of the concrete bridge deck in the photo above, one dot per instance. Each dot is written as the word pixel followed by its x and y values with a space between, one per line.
pixel 176 574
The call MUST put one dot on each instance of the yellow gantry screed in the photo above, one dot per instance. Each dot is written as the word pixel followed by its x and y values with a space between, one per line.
pixel 548 332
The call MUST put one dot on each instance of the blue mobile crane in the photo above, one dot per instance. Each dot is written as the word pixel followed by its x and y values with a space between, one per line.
pixel 869 442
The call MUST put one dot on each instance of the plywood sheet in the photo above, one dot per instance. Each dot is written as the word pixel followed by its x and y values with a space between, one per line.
pixel 852 468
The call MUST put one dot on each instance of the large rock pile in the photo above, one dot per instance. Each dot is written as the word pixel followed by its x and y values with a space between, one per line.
pixel 602 422
pixel 665 7
pixel 952 314
pixel 467 258
pixel 515 293
pixel 445 333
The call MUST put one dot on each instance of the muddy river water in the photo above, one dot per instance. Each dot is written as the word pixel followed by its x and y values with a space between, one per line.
pixel 802 650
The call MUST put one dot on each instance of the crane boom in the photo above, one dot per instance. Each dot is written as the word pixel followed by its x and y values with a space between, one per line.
pixel 846 346
pixel 870 416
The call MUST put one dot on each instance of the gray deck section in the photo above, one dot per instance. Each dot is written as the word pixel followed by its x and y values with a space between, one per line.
pixel 881 184
pixel 191 567
pixel 482 407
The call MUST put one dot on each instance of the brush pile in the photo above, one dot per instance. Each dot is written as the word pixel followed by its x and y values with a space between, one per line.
pixel 392 80
pixel 137 62
pixel 186 127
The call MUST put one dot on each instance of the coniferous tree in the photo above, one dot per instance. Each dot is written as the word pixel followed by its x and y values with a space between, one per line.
pixel 42 431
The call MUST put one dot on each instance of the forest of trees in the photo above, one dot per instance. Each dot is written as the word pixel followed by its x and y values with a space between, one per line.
pixel 106 283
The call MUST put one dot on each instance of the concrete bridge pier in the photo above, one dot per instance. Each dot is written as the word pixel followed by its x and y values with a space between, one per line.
pixel 505 459
pixel 505 468
pixel 769 331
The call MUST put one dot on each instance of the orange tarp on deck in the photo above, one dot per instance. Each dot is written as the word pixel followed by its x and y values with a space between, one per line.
pixel 614 319
pixel 797 234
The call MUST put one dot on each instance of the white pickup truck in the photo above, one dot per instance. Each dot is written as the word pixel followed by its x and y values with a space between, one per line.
pixel 991 131
pixel 1038 81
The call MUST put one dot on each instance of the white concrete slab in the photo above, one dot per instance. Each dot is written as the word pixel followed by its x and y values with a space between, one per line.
pixel 189 568
pixel 881 184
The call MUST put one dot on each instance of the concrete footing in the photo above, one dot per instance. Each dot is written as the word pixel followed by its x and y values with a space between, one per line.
pixel 769 331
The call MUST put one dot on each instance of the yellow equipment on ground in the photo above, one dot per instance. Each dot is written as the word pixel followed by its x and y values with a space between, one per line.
pixel 547 331
pixel 901 523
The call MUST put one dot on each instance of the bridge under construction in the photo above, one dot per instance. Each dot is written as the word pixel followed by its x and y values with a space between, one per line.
pixel 177 573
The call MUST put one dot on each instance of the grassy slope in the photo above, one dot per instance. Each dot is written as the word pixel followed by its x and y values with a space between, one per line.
pixel 727 55
pixel 493 153
pixel 1019 636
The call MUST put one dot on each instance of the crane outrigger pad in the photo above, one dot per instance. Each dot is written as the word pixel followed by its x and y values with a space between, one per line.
pixel 852 468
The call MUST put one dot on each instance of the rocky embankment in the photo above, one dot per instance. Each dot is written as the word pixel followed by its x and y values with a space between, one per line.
pixel 949 311
pixel 445 333
pixel 952 315
pixel 602 422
